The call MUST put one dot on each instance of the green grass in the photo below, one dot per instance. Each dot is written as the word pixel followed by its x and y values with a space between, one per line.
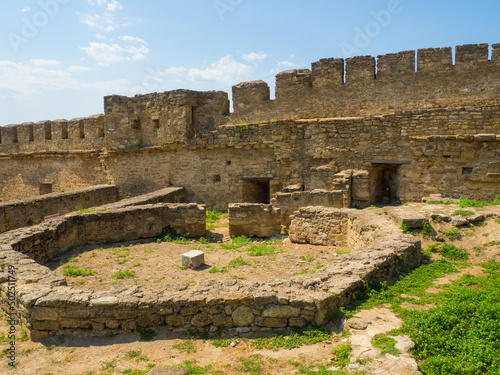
pixel 413 284
pixel 218 270
pixel 193 369
pixel 251 365
pixel 136 355
pixel 214 215
pixel 70 270
pixel 341 355
pixel 462 334
pixel 448 251
pixel 405 228
pixel 386 344
pixel 236 243
pixel 263 248
pixel 452 233
pixel 299 337
pixel 238 262
pixel 426 230
pixel 172 236
pixel 463 213
pixel 123 274
pixel 468 202
pixel 186 346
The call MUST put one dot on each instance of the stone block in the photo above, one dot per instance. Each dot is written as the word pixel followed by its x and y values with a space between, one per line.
pixel 193 259
pixel 281 312
pixel 243 316
pixel 406 216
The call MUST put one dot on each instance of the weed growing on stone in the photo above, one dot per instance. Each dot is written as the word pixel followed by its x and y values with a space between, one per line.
pixel 452 233
pixel 481 223
pixel 405 228
pixel 146 334
pixel 426 230
pixel 438 219
pixel 386 344
pixel 463 213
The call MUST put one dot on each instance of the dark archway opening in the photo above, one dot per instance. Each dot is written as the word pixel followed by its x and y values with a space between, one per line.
pixel 385 183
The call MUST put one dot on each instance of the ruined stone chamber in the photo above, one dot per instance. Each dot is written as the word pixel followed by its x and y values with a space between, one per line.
pixel 47 306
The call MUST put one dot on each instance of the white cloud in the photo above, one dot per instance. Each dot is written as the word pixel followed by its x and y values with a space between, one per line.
pixel 132 39
pixel 226 70
pixel 177 71
pixel 24 10
pixel 107 54
pixel 110 5
pixel 102 22
pixel 21 81
pixel 282 65
pixel 253 56
pixel 40 62
pixel 100 36
pixel 104 17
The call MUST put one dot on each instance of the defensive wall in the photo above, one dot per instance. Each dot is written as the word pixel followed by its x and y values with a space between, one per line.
pixel 409 125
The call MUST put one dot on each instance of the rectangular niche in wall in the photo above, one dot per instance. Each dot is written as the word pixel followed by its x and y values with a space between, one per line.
pixel 385 182
pixel 256 190
pixel 45 187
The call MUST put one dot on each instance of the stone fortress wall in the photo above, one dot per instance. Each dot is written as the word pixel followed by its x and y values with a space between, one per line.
pixel 433 130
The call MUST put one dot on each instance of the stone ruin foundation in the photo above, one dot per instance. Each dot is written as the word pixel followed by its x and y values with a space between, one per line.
pixel 47 306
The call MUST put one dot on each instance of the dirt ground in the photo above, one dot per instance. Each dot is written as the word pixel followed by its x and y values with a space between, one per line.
pixel 151 265
pixel 127 353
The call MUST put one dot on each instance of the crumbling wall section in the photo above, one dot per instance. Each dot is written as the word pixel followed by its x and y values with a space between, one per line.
pixel 26 212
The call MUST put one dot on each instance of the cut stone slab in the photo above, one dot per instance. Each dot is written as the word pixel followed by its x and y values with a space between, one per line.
pixel 193 259
pixel 407 216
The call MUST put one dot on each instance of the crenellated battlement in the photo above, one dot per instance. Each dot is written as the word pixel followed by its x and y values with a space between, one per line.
pixel 370 86
pixel 355 87
pixel 59 135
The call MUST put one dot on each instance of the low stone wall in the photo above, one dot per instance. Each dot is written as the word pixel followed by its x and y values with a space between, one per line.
pixel 24 212
pixel 166 195
pixel 291 202
pixel 122 224
pixel 46 306
pixel 253 219
pixel 319 226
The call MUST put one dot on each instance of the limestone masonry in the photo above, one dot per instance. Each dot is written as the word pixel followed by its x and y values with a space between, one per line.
pixel 346 134
pixel 399 127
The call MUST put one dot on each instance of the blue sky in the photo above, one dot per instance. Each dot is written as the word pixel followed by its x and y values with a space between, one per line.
pixel 58 58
